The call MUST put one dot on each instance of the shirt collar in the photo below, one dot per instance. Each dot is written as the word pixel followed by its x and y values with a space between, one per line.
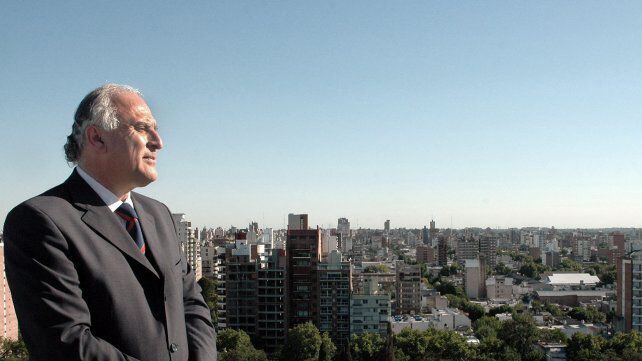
pixel 105 194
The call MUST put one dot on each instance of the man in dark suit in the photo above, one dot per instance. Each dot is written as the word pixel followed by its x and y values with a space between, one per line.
pixel 95 270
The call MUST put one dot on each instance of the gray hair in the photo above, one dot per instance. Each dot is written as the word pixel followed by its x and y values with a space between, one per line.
pixel 97 108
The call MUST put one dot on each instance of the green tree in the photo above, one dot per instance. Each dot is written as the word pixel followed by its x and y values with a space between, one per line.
pixel 410 345
pixel 327 349
pixel 582 347
pixel 487 327
pixel 629 345
pixel 379 268
pixel 235 345
pixel 553 309
pixel 553 335
pixel 473 310
pixel 588 314
pixel 304 343
pixel 367 346
pixel 519 333
pixel 208 290
pixel 502 269
pixel 500 309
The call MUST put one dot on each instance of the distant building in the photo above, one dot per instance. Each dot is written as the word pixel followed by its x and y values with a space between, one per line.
pixel 499 288
pixel 467 248
pixel 571 297
pixel 442 251
pixel 256 295
pixel 297 221
pixel 629 292
pixel 408 288
pixel 432 299
pixel 488 248
pixel 343 227
pixel 303 255
pixel 334 278
pixel 474 276
pixel 564 281
pixel 433 233
pixel 552 351
pixel 369 310
pixel 553 259
pixel 425 254
pixel 9 321
pixel 386 226
pixel 189 243
pixel 582 249
pixel 440 319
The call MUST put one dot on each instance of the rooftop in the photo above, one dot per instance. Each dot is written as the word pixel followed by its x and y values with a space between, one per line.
pixel 571 279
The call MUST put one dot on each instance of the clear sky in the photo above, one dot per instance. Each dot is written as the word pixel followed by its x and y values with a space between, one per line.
pixel 475 113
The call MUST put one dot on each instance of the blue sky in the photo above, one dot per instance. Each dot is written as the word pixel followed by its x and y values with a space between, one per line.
pixel 475 113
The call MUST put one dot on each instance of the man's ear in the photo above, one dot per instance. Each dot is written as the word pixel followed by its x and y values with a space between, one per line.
pixel 95 139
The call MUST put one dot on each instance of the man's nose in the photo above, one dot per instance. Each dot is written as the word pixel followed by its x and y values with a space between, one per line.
pixel 155 141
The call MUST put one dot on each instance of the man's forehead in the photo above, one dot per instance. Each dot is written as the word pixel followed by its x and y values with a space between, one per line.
pixel 132 107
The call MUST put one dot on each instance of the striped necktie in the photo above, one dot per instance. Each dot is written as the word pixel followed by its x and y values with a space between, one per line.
pixel 127 213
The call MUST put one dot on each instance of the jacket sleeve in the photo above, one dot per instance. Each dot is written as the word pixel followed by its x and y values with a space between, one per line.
pixel 53 318
pixel 201 336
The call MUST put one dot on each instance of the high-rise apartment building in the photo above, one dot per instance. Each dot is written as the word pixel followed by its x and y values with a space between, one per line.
pixel 241 286
pixel 189 243
pixel 386 226
pixel 370 310
pixel 467 248
pixel 334 278
pixel 303 256
pixel 581 249
pixel 426 254
pixel 629 292
pixel 8 321
pixel 255 293
pixel 408 288
pixel 343 227
pixel 433 233
pixel 488 248
pixel 425 236
pixel 442 251
pixel 272 326
pixel 473 278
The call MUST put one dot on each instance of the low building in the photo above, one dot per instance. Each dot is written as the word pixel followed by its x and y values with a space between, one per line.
pixel 499 288
pixel 552 351
pixel 432 299
pixel 571 298
pixel 570 280
pixel 444 319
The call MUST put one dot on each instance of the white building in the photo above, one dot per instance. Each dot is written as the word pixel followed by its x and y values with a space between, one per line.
pixel 499 288
pixel 369 311
pixel 561 281
pixel 444 319
pixel 472 279
pixel 190 245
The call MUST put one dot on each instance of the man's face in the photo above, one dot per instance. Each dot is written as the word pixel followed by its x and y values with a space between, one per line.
pixel 132 148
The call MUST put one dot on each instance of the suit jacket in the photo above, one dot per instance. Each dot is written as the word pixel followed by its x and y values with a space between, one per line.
pixel 83 291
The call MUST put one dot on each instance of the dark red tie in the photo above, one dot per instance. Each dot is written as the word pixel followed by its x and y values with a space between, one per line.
pixel 126 212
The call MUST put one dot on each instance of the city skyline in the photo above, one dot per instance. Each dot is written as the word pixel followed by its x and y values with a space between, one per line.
pixel 487 114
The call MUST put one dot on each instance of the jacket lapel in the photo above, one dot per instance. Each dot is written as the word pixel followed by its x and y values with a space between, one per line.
pixel 103 221
pixel 149 228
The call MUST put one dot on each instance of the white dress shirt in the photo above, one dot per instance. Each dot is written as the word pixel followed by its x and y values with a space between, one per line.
pixel 105 194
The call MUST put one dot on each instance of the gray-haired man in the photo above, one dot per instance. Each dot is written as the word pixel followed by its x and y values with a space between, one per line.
pixel 95 269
